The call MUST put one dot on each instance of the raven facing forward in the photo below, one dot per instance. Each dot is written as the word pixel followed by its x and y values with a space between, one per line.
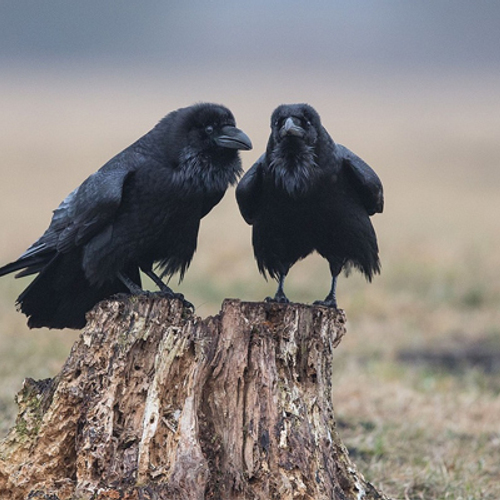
pixel 307 193
pixel 142 207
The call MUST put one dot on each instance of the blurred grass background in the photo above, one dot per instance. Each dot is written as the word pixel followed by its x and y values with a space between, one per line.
pixel 413 90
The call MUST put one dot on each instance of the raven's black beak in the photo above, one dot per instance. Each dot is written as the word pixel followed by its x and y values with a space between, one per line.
pixel 233 138
pixel 290 127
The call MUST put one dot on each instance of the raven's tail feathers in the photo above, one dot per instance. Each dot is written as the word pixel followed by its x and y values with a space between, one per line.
pixel 60 296
pixel 30 265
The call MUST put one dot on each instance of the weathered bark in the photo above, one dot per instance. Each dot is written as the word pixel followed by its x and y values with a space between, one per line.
pixel 155 403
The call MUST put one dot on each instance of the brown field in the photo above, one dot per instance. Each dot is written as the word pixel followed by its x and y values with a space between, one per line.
pixel 418 375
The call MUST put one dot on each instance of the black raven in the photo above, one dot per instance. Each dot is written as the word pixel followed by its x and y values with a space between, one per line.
pixel 142 207
pixel 307 193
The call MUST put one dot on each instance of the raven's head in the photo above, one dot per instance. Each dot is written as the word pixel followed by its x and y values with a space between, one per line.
pixel 204 141
pixel 291 151
pixel 296 125
pixel 211 128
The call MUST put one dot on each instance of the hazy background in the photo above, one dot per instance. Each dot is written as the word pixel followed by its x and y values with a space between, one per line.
pixel 412 87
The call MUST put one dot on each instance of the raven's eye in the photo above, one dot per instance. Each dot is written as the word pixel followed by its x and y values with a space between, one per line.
pixel 276 123
pixel 209 129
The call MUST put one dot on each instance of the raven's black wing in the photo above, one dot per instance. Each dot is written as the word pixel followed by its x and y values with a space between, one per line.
pixel 364 179
pixel 249 189
pixel 82 214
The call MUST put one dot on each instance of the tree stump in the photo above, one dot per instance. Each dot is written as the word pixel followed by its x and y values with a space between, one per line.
pixel 156 403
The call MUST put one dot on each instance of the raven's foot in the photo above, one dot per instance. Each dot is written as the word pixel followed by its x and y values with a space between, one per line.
pixel 166 291
pixel 279 299
pixel 332 303
pixel 170 294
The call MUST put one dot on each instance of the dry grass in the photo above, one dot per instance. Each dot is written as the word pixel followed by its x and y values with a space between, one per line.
pixel 416 430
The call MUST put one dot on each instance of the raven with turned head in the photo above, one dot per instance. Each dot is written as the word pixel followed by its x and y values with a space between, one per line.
pixel 306 193
pixel 141 208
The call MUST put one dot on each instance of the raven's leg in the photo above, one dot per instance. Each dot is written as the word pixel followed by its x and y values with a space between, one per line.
pixel 280 292
pixel 166 290
pixel 331 298
pixel 133 288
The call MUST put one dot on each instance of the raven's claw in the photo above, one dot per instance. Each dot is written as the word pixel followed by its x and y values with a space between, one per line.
pixel 282 299
pixel 169 294
pixel 326 303
pixel 185 303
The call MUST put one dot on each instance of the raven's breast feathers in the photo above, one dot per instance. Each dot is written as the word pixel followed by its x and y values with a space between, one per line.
pixel 197 171
pixel 296 173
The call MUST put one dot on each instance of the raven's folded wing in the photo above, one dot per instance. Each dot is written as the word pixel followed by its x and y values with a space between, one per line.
pixel 248 191
pixel 364 179
pixel 81 215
